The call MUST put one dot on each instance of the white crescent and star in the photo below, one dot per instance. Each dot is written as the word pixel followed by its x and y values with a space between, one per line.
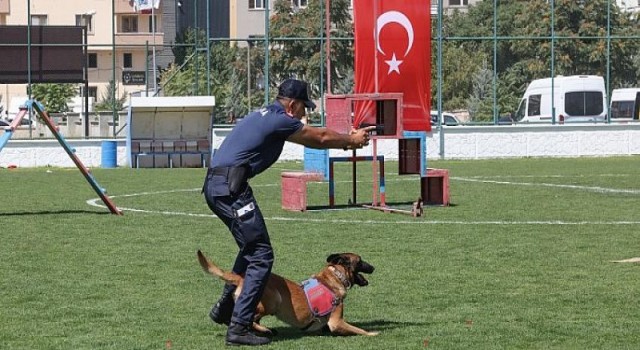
pixel 401 19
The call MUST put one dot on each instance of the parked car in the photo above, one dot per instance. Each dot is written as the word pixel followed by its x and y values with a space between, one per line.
pixel 3 123
pixel 506 119
pixel 448 119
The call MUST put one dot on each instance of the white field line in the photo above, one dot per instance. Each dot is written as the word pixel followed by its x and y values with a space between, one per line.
pixel 596 189
pixel 96 203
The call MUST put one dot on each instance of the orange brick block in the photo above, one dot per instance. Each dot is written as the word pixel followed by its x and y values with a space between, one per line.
pixel 294 189
pixel 434 187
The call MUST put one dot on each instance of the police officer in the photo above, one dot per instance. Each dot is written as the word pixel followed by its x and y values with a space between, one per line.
pixel 252 146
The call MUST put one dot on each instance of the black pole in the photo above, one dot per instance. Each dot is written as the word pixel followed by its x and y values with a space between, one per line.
pixel 354 176
pixel 86 84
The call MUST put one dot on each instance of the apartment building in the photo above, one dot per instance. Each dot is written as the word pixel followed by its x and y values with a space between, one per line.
pixel 135 34
pixel 134 37
pixel 247 16
pixel 244 19
pixel 629 5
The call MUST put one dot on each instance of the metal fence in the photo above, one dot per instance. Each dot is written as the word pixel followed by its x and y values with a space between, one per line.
pixel 482 58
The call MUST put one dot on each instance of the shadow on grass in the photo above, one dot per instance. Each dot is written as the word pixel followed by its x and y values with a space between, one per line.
pixel 53 212
pixel 401 206
pixel 289 333
pixel 355 206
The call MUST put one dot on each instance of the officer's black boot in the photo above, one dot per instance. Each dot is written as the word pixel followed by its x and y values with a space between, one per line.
pixel 239 334
pixel 221 312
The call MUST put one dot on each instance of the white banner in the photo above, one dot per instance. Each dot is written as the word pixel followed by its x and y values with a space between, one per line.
pixel 146 6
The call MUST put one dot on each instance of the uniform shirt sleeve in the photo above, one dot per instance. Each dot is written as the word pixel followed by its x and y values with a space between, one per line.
pixel 287 126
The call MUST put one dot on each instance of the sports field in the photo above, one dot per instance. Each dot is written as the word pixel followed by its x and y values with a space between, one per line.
pixel 521 260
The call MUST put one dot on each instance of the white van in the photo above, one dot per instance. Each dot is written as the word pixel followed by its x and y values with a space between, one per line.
pixel 625 104
pixel 577 98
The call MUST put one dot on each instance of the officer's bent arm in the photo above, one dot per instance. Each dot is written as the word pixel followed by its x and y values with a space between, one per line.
pixel 316 137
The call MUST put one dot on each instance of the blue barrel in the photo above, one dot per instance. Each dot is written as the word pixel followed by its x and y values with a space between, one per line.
pixel 109 154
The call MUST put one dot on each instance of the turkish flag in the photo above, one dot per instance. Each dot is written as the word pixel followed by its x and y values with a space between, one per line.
pixel 393 54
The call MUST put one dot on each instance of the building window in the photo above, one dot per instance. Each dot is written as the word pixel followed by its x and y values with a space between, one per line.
pixel 93 91
pixel 129 24
pixel 127 60
pixel 299 3
pixel 153 23
pixel 39 20
pixel 458 2
pixel 85 20
pixel 256 4
pixel 92 60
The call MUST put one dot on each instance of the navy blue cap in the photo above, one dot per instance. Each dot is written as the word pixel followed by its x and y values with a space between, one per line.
pixel 297 89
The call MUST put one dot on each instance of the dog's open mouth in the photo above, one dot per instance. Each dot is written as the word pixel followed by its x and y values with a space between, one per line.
pixel 358 278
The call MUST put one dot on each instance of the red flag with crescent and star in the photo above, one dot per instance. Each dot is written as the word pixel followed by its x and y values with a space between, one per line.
pixel 393 54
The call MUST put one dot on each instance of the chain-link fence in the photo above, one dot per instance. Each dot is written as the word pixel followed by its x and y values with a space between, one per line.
pixel 484 57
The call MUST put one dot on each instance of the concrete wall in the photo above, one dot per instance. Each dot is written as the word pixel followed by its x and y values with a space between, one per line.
pixel 460 142
pixel 41 153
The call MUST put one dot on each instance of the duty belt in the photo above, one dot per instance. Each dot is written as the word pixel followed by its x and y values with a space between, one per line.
pixel 236 176
pixel 219 171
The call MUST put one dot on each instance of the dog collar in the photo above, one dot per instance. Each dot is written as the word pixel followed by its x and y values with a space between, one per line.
pixel 341 277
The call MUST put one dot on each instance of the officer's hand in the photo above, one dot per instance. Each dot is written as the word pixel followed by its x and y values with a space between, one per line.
pixel 360 137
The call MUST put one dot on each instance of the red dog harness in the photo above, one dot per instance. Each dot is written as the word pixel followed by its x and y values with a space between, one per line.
pixel 322 301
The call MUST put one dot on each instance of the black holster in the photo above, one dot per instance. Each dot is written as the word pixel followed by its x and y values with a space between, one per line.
pixel 236 176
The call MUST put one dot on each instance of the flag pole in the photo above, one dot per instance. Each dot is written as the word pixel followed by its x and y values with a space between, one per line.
pixel 153 31
pixel 375 52
pixel 327 24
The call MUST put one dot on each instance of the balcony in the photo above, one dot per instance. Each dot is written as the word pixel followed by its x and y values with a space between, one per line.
pixel 4 7
pixel 124 7
pixel 139 39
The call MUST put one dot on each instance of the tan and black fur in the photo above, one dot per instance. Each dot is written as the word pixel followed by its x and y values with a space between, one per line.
pixel 286 300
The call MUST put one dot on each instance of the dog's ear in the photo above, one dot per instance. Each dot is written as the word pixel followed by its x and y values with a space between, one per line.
pixel 338 259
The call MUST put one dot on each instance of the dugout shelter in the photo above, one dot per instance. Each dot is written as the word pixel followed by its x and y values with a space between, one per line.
pixel 169 132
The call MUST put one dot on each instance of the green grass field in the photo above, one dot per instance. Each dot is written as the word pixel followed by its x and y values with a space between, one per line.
pixel 521 260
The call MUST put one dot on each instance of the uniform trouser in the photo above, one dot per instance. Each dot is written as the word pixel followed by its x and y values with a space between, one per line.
pixel 244 219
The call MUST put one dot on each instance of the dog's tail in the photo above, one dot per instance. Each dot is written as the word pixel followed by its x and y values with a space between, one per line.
pixel 213 269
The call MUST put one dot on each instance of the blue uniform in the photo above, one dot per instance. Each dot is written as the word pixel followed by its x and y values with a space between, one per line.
pixel 253 145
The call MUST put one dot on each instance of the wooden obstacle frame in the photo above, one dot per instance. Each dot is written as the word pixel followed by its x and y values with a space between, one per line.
pixel 388 117
pixel 46 119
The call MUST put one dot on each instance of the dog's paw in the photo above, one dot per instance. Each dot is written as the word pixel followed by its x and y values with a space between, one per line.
pixel 263 331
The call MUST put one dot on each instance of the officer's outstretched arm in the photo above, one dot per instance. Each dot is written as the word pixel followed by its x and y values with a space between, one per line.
pixel 315 137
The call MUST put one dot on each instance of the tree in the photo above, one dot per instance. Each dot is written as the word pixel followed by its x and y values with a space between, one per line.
pixel 524 46
pixel 463 59
pixel 480 102
pixel 109 99
pixel 302 58
pixel 229 71
pixel 581 47
pixel 232 108
pixel 184 77
pixel 190 78
pixel 54 97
